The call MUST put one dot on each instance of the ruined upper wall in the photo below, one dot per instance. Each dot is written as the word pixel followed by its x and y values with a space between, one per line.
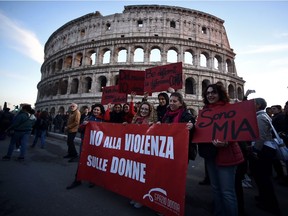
pixel 141 21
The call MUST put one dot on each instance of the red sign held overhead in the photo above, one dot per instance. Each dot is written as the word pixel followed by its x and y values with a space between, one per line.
pixel 131 81
pixel 231 122
pixel 162 77
pixel 111 95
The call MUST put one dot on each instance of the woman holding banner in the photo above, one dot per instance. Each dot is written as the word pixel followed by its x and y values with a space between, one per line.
pixel 177 112
pixel 145 115
pixel 221 158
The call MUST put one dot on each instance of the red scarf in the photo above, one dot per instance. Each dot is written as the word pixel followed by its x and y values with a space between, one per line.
pixel 173 116
pixel 219 103
pixel 141 120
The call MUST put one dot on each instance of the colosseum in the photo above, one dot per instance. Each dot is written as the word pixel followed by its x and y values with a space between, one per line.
pixel 86 54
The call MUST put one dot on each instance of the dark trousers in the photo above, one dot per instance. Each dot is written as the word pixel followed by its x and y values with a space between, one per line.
pixel 70 143
pixel 262 172
pixel 240 173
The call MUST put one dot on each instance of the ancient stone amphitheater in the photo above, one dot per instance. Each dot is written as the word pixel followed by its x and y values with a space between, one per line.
pixel 86 54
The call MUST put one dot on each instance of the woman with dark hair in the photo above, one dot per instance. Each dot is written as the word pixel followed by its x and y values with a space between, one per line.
pixel 161 109
pixel 128 110
pixel 221 158
pixel 177 112
pixel 116 115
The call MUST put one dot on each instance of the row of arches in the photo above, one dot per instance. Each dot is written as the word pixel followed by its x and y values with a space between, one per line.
pixel 78 85
pixel 190 57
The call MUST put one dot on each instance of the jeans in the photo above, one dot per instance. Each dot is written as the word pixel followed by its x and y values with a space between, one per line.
pixel 23 138
pixel 70 143
pixel 42 135
pixel 222 180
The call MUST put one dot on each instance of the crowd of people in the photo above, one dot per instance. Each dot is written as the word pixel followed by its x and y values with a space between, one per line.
pixel 226 163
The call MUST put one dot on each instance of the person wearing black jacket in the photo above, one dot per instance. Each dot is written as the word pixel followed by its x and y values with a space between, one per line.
pixel 41 127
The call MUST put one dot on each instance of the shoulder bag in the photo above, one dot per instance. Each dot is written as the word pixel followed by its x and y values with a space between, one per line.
pixel 278 143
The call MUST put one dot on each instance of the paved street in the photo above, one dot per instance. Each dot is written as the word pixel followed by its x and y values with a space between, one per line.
pixel 37 186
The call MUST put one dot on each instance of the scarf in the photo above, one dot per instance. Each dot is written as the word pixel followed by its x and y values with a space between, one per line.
pixel 173 116
pixel 219 103
pixel 140 120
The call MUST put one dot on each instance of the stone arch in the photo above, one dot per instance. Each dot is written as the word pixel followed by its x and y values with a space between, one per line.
pixel 59 65
pixel 53 68
pixel 78 60
pixel 74 86
pixel 68 61
pixel 122 55
pixel 188 57
pixel 138 55
pixel 204 59
pixel 231 91
pixel 240 93
pixel 103 82
pixel 63 87
pixel 229 66
pixel 155 54
pixel 106 56
pixel 87 84
pixel 172 55
pixel 91 57
pixel 205 83
pixel 217 63
pixel 190 86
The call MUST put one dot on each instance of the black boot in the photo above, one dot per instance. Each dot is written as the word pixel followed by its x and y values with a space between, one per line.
pixel 74 184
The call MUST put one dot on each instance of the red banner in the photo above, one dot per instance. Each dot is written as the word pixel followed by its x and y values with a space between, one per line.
pixel 111 95
pixel 162 77
pixel 131 81
pixel 232 122
pixel 146 164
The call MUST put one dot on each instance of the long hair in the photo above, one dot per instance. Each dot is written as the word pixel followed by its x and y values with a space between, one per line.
pixel 152 117
pixel 223 95
pixel 166 97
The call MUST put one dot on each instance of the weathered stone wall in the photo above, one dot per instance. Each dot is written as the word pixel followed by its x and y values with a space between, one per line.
pixel 86 54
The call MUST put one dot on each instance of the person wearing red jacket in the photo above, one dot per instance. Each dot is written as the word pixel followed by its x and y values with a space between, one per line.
pixel 221 158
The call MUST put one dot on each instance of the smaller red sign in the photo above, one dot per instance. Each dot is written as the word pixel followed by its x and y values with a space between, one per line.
pixel 162 77
pixel 131 81
pixel 111 95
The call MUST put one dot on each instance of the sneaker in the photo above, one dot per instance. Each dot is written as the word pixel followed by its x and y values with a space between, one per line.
pixel 17 150
pixel 137 205
pixel 74 184
pixel 246 184
pixel 247 178
pixel 6 158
